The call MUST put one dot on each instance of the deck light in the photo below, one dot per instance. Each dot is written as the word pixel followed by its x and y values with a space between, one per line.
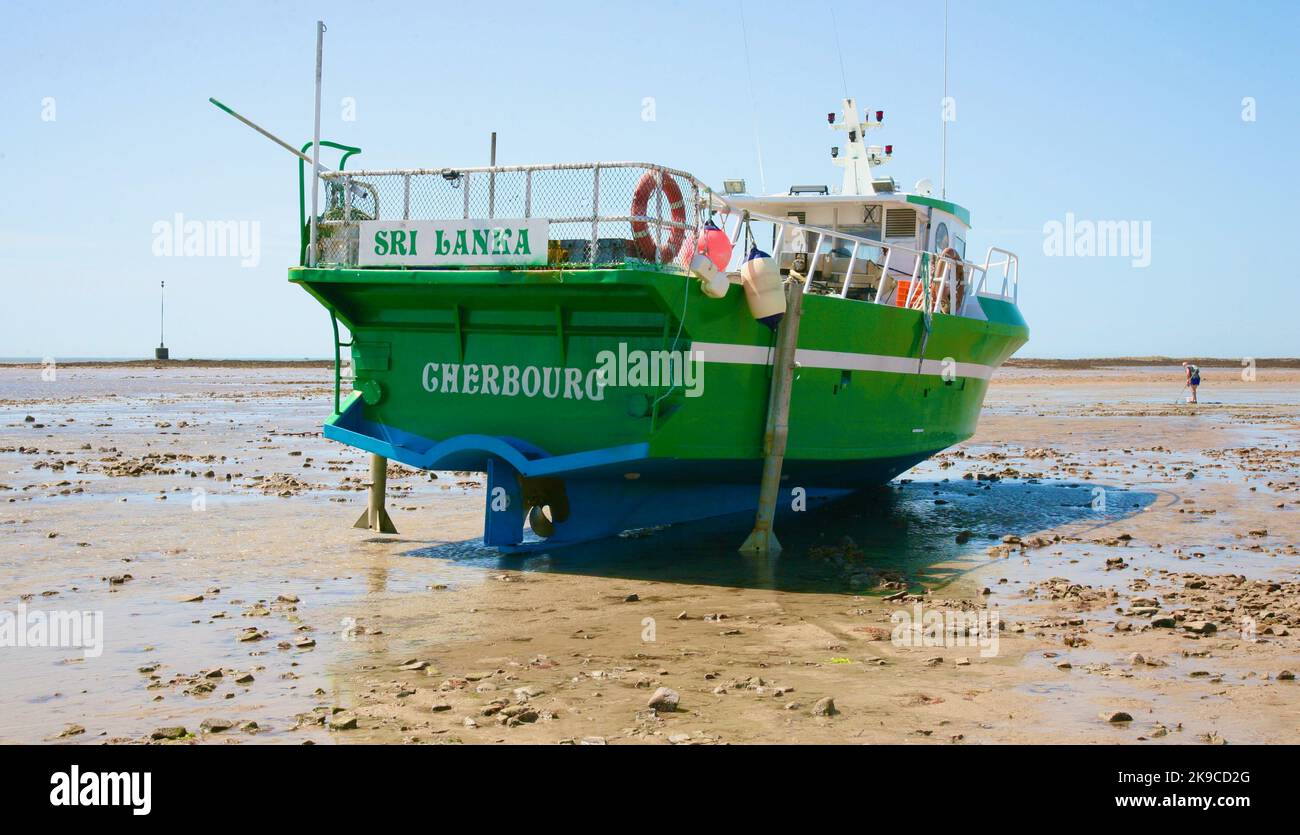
pixel 733 186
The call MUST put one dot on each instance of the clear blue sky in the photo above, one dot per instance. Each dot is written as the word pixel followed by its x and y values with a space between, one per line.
pixel 1109 110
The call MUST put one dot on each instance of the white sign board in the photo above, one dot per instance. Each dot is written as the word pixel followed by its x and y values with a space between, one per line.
pixel 453 243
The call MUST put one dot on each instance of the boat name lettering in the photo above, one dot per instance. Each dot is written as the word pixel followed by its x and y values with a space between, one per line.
pixel 625 368
pixel 453 243
pixel 551 382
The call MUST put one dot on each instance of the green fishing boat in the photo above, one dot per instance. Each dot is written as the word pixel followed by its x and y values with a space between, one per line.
pixel 616 345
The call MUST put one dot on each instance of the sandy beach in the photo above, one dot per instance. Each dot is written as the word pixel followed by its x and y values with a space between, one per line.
pixel 1137 554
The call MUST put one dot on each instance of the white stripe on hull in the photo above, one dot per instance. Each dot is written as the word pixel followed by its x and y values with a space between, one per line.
pixel 731 354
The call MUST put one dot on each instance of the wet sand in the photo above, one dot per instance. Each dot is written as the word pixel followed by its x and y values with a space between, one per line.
pixel 1140 555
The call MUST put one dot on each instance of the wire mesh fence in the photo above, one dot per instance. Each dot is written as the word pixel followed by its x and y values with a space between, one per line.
pixel 600 214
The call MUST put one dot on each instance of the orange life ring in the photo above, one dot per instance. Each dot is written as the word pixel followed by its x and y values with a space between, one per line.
pixel 645 244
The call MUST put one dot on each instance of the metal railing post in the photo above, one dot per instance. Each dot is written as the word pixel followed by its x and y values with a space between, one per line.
pixel 780 243
pixel 659 219
pixel 346 227
pixel 884 277
pixel 740 227
pixel 952 287
pixel 595 213
pixel 812 263
pixel 848 275
pixel 911 287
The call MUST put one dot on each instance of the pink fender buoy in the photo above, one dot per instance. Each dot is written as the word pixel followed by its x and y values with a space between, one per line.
pixel 715 244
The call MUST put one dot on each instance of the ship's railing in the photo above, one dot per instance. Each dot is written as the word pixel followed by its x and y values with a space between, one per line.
pixel 589 207
pixel 952 282
pixel 1010 279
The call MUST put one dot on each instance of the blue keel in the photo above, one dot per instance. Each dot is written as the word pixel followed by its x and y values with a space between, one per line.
pixel 590 495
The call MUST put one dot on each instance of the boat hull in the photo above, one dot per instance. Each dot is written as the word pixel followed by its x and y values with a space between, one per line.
pixel 621 398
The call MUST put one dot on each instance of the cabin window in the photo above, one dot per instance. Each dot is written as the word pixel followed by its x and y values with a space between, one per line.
pixel 959 244
pixel 941 241
pixel 863 230
pixel 871 231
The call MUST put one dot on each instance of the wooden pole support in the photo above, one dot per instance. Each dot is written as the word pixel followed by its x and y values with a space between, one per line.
pixel 762 539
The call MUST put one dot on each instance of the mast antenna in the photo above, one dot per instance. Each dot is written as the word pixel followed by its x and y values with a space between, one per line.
pixel 943 109
pixel 315 147
pixel 753 103
pixel 835 27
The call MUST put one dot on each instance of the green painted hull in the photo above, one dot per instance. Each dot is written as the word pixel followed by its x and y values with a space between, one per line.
pixel 402 320
pixel 871 397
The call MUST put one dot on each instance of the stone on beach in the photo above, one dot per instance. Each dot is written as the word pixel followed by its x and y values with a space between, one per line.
pixel 172 732
pixel 664 699
pixel 825 707
pixel 342 722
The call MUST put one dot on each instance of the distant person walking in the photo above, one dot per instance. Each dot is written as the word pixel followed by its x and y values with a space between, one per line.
pixel 1193 380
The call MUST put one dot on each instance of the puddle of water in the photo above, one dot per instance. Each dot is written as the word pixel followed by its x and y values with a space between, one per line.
pixel 908 531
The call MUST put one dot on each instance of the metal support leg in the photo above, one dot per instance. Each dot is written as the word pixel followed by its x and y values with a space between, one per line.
pixel 762 540
pixel 375 517
pixel 503 519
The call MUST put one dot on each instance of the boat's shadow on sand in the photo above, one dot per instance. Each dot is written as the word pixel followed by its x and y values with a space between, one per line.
pixel 908 533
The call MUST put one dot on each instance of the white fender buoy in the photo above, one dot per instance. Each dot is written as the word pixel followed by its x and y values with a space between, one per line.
pixel 713 281
pixel 761 278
